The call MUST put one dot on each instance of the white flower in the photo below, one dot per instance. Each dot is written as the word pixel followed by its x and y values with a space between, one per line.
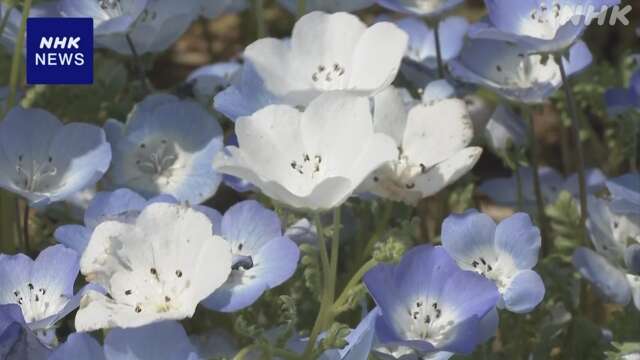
pixel 325 53
pixel 156 268
pixel 312 160
pixel 433 140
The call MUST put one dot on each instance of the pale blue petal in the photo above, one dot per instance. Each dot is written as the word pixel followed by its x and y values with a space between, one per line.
pixel 465 236
pixel 164 340
pixel 79 346
pixel 524 293
pixel 611 282
pixel 250 224
pixel 520 239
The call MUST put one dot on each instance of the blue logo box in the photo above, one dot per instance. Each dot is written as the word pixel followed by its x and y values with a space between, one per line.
pixel 59 50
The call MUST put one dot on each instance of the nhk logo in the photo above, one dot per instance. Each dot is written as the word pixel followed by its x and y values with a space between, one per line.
pixel 60 51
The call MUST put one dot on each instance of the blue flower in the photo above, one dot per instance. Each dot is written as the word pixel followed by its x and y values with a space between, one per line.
pixel 614 267
pixel 207 81
pixel 262 257
pixel 621 100
pixel 46 161
pixel 504 254
pixel 625 194
pixel 165 340
pixel 109 16
pixel 166 147
pixel 422 43
pixel 17 341
pixel 42 288
pixel 504 190
pixel 428 303
pixel 541 26
pixel 121 205
pixel 429 8
pixel 514 72
pixel 505 130
pixel 214 9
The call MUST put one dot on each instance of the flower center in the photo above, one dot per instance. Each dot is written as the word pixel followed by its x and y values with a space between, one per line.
pixel 38 303
pixel 398 177
pixel 545 14
pixel 308 165
pixel 329 77
pixel 34 179
pixel 156 158
pixel 499 271
pixel 428 321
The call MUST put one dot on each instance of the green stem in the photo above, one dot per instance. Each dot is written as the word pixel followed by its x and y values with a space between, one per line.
pixel 382 225
pixel 16 61
pixel 537 189
pixel 436 34
pixel 322 242
pixel 138 64
pixel 302 8
pixel 261 24
pixel 27 245
pixel 355 280
pixel 325 316
pixel 575 124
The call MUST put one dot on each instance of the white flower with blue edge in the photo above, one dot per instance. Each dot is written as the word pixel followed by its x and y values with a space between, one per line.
pixel 47 161
pixel 504 254
pixel 262 257
pixel 513 72
pixel 311 159
pixel 426 8
pixel 43 288
pixel 330 6
pixel 158 267
pixel 326 52
pixel 625 194
pixel 166 147
pixel 433 142
pixel 614 267
pixel 165 340
pixel 539 25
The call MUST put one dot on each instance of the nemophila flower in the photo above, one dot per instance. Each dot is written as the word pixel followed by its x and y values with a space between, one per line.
pixel 17 340
pixel 614 268
pixel 428 303
pixel 422 42
pixel 512 71
pixel 213 9
pixel 505 130
pixel 359 60
pixel 45 160
pixel 262 257
pixel 236 183
pixel 43 288
pixel 505 254
pixel 110 17
pixel 433 144
pixel 158 267
pixel 330 6
pixel 625 194
pixel 159 25
pixel 428 8
pixel 209 80
pixel 542 26
pixel 165 340
pixel 504 190
pixel 308 160
pixel 166 147
pixel 621 100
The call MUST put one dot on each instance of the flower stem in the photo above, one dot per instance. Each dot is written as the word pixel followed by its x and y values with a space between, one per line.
pixel 355 280
pixel 537 189
pixel 138 64
pixel 381 226
pixel 16 61
pixel 322 243
pixel 302 8
pixel 325 315
pixel 575 124
pixel 261 24
pixel 436 34
pixel 25 229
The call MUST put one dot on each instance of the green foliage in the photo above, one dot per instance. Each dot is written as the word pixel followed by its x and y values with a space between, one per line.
pixel 565 223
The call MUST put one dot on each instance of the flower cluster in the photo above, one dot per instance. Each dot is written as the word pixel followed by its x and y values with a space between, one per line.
pixel 317 195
